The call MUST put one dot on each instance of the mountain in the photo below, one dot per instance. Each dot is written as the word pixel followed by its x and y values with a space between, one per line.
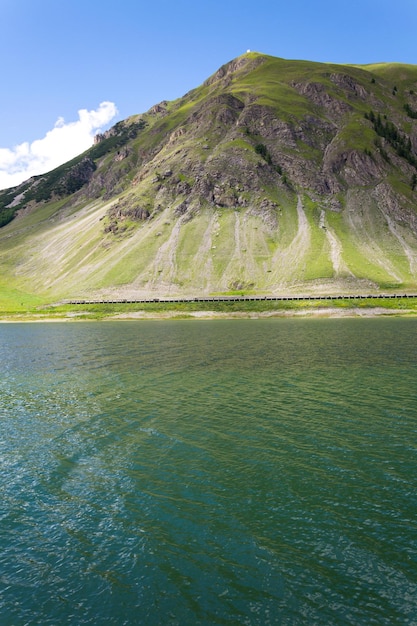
pixel 272 177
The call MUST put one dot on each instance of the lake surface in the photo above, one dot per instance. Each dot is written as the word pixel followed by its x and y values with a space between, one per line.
pixel 209 472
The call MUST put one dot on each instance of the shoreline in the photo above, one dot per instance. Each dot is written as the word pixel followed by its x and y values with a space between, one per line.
pixel 322 312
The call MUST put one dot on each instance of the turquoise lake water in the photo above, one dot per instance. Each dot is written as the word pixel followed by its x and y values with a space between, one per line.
pixel 209 472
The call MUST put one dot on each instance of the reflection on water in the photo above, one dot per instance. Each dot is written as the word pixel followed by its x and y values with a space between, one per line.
pixel 244 472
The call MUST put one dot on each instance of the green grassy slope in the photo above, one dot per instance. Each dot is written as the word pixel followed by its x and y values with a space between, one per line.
pixel 268 178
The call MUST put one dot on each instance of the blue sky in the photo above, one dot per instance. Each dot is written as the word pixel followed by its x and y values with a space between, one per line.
pixel 112 59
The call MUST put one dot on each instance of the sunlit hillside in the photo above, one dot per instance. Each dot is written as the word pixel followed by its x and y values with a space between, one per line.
pixel 272 177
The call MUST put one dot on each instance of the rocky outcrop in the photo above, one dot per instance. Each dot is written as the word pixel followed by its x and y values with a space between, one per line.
pixel 349 85
pixel 319 95
pixel 159 109
pixel 106 135
pixel 76 177
pixel 352 166
pixel 121 154
pixel 262 120
pixel 123 211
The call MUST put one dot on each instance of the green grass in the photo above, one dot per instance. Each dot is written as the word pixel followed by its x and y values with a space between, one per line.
pixel 393 72
pixel 354 257
pixel 136 261
pixel 223 242
pixel 402 186
pixel 182 310
pixel 356 135
pixel 318 264
pixel 20 227
pixel 267 82
pixel 287 225
pixel 190 239
pixel 16 301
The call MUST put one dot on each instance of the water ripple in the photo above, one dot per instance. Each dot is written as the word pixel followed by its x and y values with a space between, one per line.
pixel 209 473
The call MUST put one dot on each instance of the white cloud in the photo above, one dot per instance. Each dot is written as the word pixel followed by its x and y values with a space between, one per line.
pixel 64 142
